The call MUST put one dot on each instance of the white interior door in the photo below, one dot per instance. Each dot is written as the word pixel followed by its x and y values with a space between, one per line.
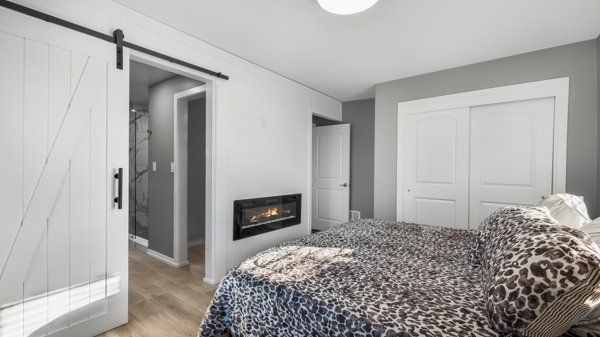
pixel 331 176
pixel 436 168
pixel 511 155
pixel 63 128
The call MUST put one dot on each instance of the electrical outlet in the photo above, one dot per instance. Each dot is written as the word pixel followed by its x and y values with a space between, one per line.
pixel 354 215
pixel 153 166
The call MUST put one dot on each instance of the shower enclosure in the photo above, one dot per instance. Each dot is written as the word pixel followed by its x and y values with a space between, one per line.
pixel 139 134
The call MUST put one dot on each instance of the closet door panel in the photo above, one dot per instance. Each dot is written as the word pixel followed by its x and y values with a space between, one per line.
pixel 511 155
pixel 436 168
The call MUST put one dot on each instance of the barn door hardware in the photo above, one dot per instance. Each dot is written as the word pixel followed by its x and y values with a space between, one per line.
pixel 117 38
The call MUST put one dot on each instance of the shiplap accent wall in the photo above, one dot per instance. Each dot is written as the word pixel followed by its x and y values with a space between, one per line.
pixel 263 122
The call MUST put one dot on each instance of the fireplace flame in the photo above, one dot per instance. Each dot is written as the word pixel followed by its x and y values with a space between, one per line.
pixel 265 214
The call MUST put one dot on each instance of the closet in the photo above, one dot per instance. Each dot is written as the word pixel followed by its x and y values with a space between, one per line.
pixel 463 156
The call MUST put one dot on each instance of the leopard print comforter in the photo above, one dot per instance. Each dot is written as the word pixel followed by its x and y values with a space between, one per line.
pixel 365 278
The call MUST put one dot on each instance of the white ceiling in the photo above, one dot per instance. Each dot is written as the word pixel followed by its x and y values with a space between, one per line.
pixel 142 77
pixel 345 56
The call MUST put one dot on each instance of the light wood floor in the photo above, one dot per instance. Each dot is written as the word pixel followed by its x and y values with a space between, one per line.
pixel 165 301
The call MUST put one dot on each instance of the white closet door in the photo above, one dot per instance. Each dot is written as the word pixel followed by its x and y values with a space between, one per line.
pixel 511 155
pixel 436 168
pixel 63 127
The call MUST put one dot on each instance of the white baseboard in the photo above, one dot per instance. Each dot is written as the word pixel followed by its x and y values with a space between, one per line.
pixel 209 281
pixel 195 243
pixel 138 240
pixel 168 260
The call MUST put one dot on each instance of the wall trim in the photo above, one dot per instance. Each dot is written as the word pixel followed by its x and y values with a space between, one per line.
pixel 557 88
pixel 180 163
pixel 163 258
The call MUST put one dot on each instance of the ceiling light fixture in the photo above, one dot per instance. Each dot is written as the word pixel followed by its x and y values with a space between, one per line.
pixel 344 7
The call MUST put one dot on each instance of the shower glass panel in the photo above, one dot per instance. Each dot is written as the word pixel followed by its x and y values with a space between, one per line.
pixel 139 134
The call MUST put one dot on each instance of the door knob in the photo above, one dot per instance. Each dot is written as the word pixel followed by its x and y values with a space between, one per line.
pixel 344 185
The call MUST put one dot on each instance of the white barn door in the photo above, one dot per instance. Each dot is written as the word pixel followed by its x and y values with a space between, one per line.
pixel 331 176
pixel 63 130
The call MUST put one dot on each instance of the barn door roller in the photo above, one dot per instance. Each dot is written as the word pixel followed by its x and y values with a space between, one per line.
pixel 117 38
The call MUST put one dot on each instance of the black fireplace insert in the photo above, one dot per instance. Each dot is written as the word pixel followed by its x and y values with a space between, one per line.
pixel 256 216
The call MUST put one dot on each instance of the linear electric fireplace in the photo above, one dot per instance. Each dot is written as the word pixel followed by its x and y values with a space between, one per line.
pixel 256 216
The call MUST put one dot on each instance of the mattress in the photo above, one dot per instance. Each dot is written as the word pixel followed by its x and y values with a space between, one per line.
pixel 363 278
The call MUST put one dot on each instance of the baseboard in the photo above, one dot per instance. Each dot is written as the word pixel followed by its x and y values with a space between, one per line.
pixel 195 243
pixel 209 281
pixel 163 258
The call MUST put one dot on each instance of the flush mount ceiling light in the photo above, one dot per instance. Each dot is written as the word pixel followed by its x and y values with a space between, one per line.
pixel 344 7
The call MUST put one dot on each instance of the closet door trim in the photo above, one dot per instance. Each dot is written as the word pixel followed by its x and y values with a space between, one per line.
pixel 557 88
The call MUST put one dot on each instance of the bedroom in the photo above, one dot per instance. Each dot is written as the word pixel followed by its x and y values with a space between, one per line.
pixel 386 65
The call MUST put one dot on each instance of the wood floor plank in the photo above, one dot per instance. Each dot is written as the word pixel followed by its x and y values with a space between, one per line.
pixel 165 301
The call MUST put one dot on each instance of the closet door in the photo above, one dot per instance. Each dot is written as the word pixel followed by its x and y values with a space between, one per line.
pixel 511 155
pixel 436 168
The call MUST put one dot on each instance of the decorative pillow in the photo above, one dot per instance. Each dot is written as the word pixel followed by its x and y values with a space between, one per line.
pixel 568 210
pixel 539 278
pixel 500 224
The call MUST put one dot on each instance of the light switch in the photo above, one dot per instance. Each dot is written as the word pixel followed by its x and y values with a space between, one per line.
pixel 153 166
pixel 172 167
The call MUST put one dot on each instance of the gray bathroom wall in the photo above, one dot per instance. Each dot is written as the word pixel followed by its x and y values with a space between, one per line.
pixel 578 61
pixel 160 150
pixel 196 169
pixel 361 117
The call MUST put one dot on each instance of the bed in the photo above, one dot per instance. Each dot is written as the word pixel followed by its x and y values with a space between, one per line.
pixel 363 278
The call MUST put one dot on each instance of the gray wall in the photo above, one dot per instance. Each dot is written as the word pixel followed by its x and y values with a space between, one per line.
pixel 160 150
pixel 196 168
pixel 577 61
pixel 361 117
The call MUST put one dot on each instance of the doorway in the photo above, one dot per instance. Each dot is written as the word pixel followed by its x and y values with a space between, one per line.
pixel 330 173
pixel 164 96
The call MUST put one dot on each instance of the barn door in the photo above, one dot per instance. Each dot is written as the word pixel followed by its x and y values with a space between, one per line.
pixel 63 126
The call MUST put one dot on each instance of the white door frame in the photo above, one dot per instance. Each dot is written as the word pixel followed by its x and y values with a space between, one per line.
pixel 211 146
pixel 557 88
pixel 180 173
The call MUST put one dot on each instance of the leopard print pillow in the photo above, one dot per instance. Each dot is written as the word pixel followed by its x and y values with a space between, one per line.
pixel 539 278
pixel 499 225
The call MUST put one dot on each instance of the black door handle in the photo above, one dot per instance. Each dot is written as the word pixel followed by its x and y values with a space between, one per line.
pixel 119 198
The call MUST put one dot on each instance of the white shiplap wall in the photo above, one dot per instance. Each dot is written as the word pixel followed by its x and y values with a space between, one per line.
pixel 263 121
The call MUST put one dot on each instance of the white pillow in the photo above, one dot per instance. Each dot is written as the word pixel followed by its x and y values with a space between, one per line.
pixel 568 210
